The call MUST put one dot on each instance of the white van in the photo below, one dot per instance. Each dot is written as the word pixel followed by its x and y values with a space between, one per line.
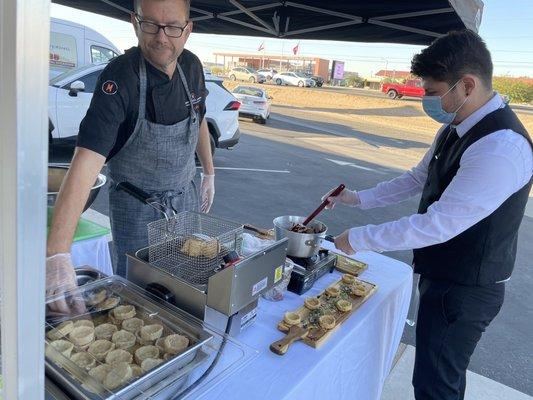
pixel 73 45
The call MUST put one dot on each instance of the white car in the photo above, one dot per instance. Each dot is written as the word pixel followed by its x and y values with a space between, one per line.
pixel 255 103
pixel 267 73
pixel 293 78
pixel 70 94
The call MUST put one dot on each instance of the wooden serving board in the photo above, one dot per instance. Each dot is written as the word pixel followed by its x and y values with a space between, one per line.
pixel 318 335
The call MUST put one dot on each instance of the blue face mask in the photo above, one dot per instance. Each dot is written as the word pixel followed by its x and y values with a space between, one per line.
pixel 433 107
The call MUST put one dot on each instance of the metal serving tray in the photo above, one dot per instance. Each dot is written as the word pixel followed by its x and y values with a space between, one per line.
pixel 70 377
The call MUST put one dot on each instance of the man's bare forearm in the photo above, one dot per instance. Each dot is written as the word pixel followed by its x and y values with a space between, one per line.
pixel 86 164
pixel 203 149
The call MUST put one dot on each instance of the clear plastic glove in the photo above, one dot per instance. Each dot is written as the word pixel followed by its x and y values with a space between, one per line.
pixel 61 278
pixel 207 192
pixel 347 197
pixel 342 243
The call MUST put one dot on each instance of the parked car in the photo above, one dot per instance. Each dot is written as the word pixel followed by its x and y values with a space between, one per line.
pixel 246 74
pixel 70 94
pixel 255 103
pixel 412 88
pixel 267 73
pixel 74 45
pixel 293 78
pixel 319 81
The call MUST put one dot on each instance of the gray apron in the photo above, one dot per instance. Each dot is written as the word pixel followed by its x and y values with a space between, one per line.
pixel 160 159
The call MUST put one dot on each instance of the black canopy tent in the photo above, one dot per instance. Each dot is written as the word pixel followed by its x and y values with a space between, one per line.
pixel 392 21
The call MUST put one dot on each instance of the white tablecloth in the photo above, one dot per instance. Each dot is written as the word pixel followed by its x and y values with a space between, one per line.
pixel 354 361
pixel 94 253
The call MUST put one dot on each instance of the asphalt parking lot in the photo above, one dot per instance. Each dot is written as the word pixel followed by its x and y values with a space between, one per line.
pixel 285 166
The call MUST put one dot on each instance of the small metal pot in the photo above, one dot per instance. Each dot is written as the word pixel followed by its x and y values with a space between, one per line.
pixel 302 245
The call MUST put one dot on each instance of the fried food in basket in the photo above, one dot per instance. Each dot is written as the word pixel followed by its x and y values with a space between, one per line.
pixel 199 247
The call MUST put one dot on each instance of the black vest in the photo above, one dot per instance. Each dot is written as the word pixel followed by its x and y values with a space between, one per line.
pixel 485 253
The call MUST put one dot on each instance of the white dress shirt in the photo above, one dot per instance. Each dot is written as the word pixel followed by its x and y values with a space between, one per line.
pixel 491 170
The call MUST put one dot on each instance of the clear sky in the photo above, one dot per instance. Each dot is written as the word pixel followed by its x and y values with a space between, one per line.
pixel 507 27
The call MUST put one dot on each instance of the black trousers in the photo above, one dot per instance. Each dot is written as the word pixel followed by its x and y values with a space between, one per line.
pixel 451 320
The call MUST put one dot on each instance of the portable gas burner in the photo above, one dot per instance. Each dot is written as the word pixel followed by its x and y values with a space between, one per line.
pixel 307 271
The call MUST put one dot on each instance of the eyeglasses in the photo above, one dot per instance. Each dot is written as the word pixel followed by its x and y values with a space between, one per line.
pixel 153 29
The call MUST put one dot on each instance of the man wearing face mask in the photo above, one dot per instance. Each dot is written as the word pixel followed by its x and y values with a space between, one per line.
pixel 474 183
pixel 146 120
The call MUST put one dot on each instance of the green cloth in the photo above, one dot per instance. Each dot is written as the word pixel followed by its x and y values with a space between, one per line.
pixel 85 229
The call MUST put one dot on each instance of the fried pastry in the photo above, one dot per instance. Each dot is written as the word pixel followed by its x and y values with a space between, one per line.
pixel 150 363
pixel 312 303
pixel 117 356
pixel 105 331
pixel 359 290
pixel 84 322
pixel 93 298
pixel 119 375
pixel 108 304
pixel 132 324
pixel 292 318
pixel 198 247
pixel 123 339
pixel 136 370
pixel 123 312
pixel 175 343
pixel 348 279
pixel 327 321
pixel 84 360
pixel 343 305
pixel 81 336
pixel 151 332
pixel 100 372
pixel 332 291
pixel 144 352
pixel 60 331
pixel 62 346
pixel 100 348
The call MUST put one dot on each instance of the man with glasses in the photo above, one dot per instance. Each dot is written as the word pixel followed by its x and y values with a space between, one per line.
pixel 146 121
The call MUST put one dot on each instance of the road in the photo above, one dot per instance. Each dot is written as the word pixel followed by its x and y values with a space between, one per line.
pixel 285 166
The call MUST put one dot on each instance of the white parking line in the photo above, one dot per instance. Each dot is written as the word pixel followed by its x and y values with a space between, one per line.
pixel 349 164
pixel 274 171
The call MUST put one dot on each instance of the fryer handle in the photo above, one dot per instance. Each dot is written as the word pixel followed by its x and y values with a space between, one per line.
pixel 161 292
pixel 330 238
pixel 134 191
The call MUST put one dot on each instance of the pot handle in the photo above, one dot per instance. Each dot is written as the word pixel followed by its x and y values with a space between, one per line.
pixel 312 243
pixel 330 238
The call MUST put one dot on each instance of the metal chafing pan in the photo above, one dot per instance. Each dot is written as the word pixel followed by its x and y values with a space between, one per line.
pixel 76 381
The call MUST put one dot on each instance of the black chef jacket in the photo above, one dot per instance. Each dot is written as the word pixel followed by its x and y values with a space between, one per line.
pixel 111 117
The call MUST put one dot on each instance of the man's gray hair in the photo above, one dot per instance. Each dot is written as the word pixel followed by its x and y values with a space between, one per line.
pixel 137 5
